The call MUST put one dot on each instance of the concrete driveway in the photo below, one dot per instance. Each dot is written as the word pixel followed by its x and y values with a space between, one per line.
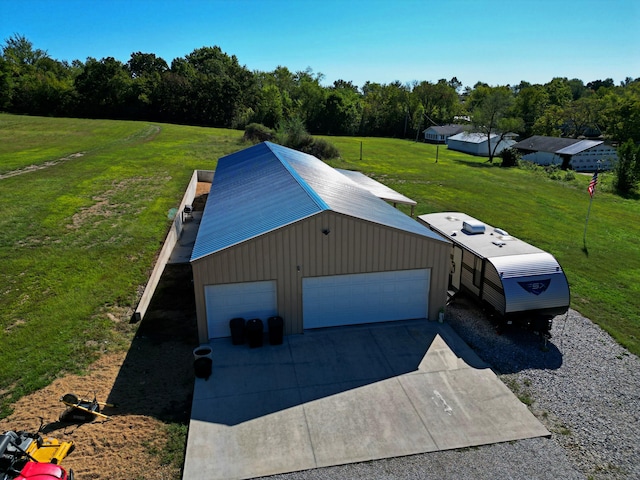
pixel 344 395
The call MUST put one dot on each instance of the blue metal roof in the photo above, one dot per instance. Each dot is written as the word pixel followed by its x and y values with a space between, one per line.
pixel 268 186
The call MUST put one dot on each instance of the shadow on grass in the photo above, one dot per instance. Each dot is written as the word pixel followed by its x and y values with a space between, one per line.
pixel 156 378
pixel 476 164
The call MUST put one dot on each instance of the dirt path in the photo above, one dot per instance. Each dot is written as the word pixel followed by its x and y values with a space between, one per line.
pixel 42 166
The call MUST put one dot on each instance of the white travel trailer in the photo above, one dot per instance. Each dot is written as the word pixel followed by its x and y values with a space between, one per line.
pixel 519 282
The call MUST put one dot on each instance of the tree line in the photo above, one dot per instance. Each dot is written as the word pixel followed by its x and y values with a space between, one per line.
pixel 210 88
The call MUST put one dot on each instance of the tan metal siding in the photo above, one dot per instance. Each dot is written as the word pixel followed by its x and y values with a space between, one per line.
pixel 352 246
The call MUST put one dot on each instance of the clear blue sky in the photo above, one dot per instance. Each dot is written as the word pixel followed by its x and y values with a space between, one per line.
pixel 495 41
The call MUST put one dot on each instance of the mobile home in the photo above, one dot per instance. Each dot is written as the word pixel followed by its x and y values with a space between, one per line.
pixel 518 281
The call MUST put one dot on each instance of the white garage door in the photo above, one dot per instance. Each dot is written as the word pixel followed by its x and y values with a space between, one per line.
pixel 365 298
pixel 246 300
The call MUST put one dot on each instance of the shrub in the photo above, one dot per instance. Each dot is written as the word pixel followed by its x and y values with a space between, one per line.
pixel 510 157
pixel 529 166
pixel 321 148
pixel 292 133
pixel 553 172
pixel 256 133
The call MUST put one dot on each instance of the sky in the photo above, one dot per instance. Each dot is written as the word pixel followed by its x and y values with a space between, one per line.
pixel 499 42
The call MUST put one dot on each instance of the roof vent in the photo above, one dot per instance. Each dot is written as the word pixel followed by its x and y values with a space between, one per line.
pixel 472 227
pixel 502 234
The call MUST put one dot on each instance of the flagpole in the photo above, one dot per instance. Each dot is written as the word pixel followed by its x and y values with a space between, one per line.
pixel 584 236
pixel 592 191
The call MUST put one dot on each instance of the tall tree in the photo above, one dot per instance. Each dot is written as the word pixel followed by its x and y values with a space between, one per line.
pixel 146 70
pixel 270 109
pixel 439 101
pixel 343 109
pixel 104 89
pixel 621 112
pixel 492 114
pixel 221 88
pixel 309 99
pixel 6 84
pixel 530 104
pixel 598 84
pixel 32 82
pixel 581 117
pixel 19 51
pixel 386 109
pixel 578 90
pixel 559 91
pixel 627 170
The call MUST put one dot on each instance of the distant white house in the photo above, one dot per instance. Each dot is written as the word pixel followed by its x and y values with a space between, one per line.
pixel 440 134
pixel 476 143
pixel 579 155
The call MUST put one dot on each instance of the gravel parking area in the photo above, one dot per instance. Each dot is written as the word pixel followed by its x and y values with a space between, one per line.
pixel 583 386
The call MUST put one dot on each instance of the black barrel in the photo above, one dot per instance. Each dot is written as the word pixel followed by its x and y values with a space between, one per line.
pixel 254 330
pixel 202 367
pixel 202 361
pixel 237 330
pixel 276 330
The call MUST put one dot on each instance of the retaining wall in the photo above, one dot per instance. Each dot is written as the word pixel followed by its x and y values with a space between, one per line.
pixel 170 242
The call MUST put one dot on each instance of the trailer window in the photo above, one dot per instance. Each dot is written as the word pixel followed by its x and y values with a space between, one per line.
pixel 477 271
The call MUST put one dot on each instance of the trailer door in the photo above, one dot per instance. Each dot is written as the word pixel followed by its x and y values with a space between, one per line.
pixel 456 268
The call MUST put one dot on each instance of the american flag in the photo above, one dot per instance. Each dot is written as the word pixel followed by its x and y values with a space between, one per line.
pixel 592 184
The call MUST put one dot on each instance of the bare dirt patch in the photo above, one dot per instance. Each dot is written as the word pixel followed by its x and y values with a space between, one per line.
pixel 42 166
pixel 105 206
pixel 151 384
pixel 202 188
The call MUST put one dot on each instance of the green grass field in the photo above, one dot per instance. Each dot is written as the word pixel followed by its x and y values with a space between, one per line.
pixel 88 212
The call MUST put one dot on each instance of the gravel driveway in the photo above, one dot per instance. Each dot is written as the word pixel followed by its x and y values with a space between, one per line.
pixel 583 387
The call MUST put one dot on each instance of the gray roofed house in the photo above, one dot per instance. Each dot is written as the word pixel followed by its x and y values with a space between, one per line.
pixel 440 134
pixel 283 233
pixel 577 154
pixel 476 143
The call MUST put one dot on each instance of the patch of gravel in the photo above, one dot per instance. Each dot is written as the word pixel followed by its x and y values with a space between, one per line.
pixel 583 386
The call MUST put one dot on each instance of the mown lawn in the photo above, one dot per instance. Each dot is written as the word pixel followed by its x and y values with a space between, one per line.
pixel 78 238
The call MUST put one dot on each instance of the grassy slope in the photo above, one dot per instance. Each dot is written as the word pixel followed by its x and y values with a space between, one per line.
pixel 77 239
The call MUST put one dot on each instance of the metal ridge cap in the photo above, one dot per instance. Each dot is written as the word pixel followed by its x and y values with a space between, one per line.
pixel 317 199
